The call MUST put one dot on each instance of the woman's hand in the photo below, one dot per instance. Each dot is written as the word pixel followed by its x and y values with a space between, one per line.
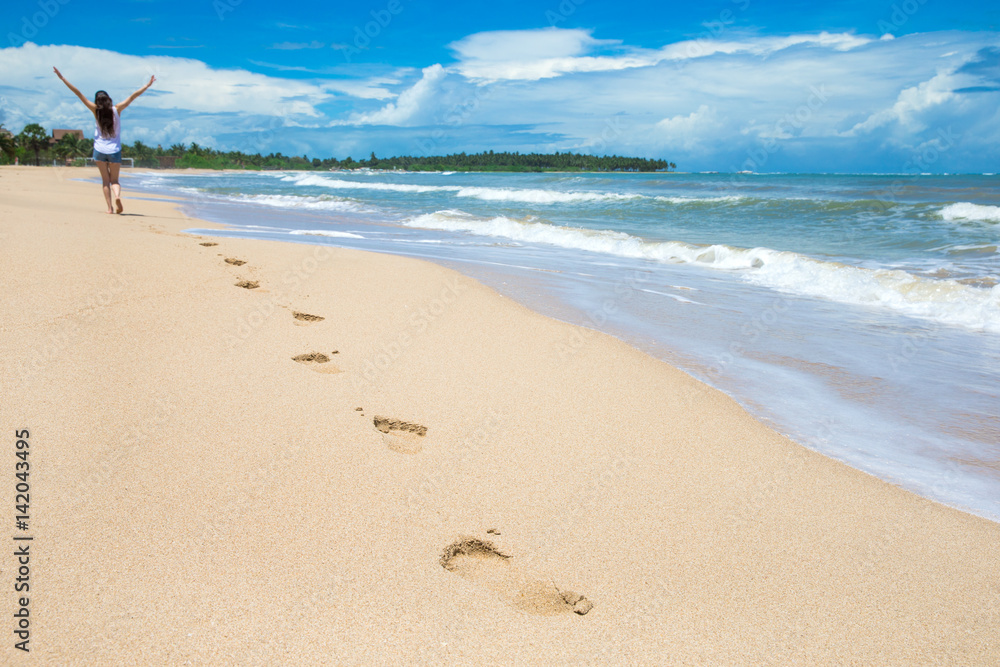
pixel 76 91
pixel 131 98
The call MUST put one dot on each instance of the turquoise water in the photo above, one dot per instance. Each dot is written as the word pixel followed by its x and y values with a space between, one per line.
pixel 860 315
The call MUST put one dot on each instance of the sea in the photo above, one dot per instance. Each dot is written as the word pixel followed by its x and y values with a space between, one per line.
pixel 857 314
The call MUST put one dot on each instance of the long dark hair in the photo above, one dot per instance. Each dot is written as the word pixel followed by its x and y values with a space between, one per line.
pixel 105 114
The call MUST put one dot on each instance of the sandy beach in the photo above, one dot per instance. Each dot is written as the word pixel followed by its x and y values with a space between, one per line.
pixel 249 452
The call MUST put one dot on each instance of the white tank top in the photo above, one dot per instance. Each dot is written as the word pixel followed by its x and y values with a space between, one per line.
pixel 108 145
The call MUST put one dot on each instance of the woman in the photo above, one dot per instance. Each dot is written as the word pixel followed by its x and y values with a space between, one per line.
pixel 107 138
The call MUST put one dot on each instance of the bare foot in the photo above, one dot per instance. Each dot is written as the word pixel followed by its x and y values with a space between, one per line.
pixel 118 205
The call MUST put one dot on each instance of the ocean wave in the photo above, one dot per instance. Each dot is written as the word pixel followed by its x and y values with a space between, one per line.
pixel 521 195
pixel 721 199
pixel 340 184
pixel 977 250
pixel 946 301
pixel 297 201
pixel 536 196
pixel 324 232
pixel 967 211
pixel 675 297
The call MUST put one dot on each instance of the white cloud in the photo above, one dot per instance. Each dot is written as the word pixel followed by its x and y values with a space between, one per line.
pixel 910 105
pixel 407 106
pixel 760 46
pixel 531 55
pixel 182 83
pixel 367 89
pixel 691 131
pixel 297 46
pixel 704 104
pixel 546 68
pixel 499 45
pixel 713 103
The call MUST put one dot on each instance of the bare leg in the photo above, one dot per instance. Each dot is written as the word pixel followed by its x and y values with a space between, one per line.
pixel 106 183
pixel 116 188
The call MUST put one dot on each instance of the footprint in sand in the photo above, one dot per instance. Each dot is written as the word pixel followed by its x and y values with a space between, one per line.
pixel 248 284
pixel 400 436
pixel 208 245
pixel 234 261
pixel 482 562
pixel 303 319
pixel 318 361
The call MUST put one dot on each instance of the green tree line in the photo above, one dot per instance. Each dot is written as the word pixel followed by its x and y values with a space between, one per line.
pixel 32 145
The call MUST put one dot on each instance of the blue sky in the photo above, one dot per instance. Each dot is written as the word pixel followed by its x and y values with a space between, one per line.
pixel 895 86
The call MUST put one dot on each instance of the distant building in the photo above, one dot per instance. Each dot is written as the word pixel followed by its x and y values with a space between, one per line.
pixel 59 134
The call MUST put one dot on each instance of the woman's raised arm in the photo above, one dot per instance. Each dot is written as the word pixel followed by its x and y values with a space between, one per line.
pixel 90 105
pixel 131 98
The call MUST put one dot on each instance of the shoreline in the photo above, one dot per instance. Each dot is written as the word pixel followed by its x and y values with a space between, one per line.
pixel 168 411
pixel 876 445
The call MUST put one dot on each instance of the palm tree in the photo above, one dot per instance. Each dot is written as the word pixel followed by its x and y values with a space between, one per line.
pixel 141 151
pixel 61 148
pixel 8 146
pixel 70 146
pixel 33 138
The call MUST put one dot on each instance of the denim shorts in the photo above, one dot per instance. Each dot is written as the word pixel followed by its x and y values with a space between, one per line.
pixel 105 157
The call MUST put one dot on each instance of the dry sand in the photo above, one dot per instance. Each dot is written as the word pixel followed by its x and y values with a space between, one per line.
pixel 433 482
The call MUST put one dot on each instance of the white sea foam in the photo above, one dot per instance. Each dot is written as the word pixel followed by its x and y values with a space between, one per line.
pixel 675 297
pixel 945 301
pixel 536 196
pixel 265 228
pixel 340 184
pixel 308 203
pixel 522 195
pixel 325 232
pixel 701 200
pixel 967 211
